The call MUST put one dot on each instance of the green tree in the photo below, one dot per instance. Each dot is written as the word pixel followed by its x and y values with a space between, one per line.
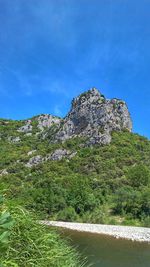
pixel 139 175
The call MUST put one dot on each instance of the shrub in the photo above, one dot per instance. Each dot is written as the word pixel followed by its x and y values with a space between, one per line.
pixel 138 176
pixel 68 214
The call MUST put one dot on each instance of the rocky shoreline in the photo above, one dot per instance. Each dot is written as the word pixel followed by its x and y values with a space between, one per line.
pixel 140 234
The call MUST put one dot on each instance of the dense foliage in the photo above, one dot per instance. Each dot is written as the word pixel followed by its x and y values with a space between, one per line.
pixel 25 243
pixel 101 184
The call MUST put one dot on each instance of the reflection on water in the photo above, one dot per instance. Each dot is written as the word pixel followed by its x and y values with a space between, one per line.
pixel 104 251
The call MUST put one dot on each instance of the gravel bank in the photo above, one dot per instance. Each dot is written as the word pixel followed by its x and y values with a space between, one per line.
pixel 140 234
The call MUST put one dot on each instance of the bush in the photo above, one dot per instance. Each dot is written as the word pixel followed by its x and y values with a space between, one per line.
pixel 68 214
pixel 138 176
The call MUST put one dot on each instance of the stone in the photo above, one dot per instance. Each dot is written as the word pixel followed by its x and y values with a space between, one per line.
pixel 26 128
pixel 34 161
pixel 91 116
pixel 46 121
pixel 94 117
pixel 3 172
pixel 14 140
pixel 31 152
pixel 59 154
pixel 28 134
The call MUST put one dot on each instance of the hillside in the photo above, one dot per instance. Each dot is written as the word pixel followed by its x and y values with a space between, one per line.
pixel 87 167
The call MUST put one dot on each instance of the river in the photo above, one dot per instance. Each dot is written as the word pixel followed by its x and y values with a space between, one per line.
pixel 105 251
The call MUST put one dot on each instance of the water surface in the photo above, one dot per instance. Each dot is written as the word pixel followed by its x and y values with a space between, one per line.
pixel 105 251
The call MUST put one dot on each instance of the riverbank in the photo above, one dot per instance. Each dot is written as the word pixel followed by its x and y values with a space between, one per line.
pixel 140 234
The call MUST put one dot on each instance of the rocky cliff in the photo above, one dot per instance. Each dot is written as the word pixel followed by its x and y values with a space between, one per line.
pixel 91 116
pixel 95 117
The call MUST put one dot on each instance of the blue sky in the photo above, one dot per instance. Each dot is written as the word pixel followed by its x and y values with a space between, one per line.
pixel 52 50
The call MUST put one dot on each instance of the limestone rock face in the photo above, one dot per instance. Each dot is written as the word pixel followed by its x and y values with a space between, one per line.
pixel 26 128
pixel 59 154
pixel 46 121
pixel 91 116
pixel 43 121
pixel 95 117
pixel 34 161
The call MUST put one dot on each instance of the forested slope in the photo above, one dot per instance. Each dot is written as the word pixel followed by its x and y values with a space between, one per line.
pixel 100 184
pixel 86 167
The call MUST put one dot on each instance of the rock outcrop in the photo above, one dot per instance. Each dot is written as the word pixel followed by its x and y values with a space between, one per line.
pixel 42 121
pixel 95 117
pixel 26 128
pixel 3 172
pixel 34 161
pixel 14 140
pixel 58 154
pixel 46 121
pixel 31 152
pixel 91 116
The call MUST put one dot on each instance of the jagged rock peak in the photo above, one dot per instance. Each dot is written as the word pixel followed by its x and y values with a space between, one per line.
pixel 92 95
pixel 95 117
pixel 91 116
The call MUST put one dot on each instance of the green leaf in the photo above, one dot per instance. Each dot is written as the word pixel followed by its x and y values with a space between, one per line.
pixel 7 225
pixel 4 217
pixel 4 237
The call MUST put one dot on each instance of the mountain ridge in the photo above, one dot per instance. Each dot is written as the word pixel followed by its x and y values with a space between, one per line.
pixel 91 115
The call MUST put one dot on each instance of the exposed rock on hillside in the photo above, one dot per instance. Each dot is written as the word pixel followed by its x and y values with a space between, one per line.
pixel 91 116
pixel 26 128
pixel 42 121
pixel 14 140
pixel 46 121
pixel 31 152
pixel 3 172
pixel 95 117
pixel 58 154
pixel 34 161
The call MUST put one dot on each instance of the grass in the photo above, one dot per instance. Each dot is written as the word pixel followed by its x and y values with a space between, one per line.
pixel 31 244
